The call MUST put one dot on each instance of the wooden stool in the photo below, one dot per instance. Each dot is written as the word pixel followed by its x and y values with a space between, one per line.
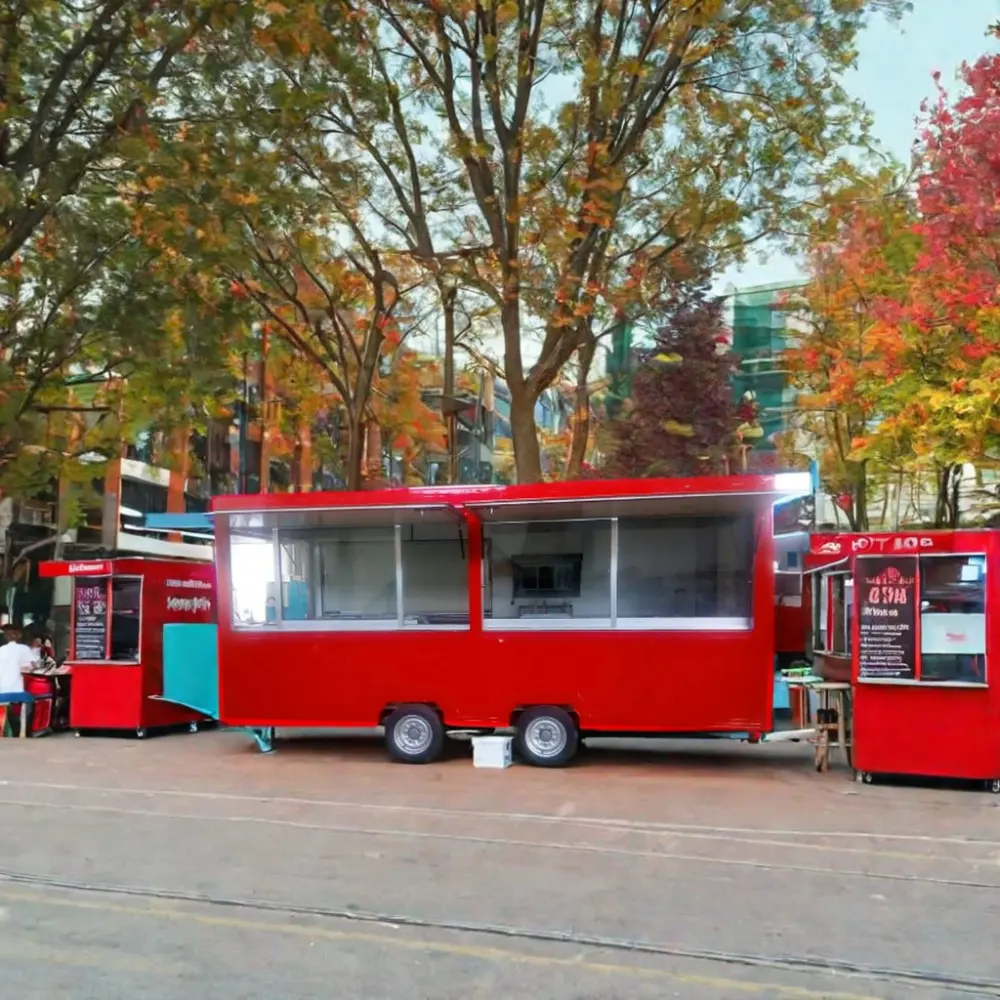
pixel 831 722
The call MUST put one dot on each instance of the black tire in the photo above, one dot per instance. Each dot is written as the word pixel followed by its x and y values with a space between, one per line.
pixel 547 736
pixel 414 734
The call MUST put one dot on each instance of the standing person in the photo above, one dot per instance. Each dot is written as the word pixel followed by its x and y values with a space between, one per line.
pixel 15 659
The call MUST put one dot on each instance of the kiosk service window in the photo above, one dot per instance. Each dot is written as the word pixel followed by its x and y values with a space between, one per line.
pixel 922 619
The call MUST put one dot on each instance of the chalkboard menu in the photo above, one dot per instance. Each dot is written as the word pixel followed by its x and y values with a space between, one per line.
pixel 91 619
pixel 886 588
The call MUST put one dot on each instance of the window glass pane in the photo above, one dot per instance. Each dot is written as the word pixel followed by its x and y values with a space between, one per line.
pixel 299 598
pixel 251 568
pixel 125 596
pixel 820 625
pixel 696 567
pixel 435 574
pixel 788 587
pixel 548 570
pixel 838 585
pixel 355 574
pixel 953 618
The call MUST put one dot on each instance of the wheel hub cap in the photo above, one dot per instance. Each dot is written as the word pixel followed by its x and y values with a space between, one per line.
pixel 413 734
pixel 546 738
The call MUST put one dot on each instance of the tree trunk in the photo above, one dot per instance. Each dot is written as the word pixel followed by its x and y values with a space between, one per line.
pixel 374 460
pixel 527 451
pixel 859 499
pixel 946 501
pixel 355 453
pixel 581 411
pixel 860 509
pixel 956 486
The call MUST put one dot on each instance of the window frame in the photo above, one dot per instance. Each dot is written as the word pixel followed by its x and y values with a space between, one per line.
pixel 396 624
pixel 111 618
pixel 919 679
pixel 238 533
pixel 616 622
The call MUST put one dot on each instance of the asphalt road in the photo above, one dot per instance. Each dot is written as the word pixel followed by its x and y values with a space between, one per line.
pixel 185 863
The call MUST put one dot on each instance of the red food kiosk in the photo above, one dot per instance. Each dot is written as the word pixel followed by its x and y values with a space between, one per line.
pixel 909 614
pixel 561 609
pixel 118 610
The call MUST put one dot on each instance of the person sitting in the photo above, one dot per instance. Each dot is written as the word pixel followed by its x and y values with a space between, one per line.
pixel 15 660
pixel 42 656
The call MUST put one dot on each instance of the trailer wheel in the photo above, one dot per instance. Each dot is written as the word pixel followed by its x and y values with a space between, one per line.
pixel 547 736
pixel 414 734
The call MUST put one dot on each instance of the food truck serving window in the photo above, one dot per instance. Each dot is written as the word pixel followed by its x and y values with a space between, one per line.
pixel 544 572
pixel 645 571
pixel 350 576
pixel 654 564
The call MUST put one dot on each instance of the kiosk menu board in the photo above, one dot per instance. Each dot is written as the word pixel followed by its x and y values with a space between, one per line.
pixel 90 621
pixel 886 590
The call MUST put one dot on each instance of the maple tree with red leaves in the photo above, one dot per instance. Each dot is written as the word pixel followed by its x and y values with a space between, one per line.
pixel 942 340
pixel 901 365
pixel 681 419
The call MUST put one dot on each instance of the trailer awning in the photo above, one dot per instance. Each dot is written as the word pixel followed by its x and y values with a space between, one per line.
pixel 199 523
pixel 678 505
pixel 374 516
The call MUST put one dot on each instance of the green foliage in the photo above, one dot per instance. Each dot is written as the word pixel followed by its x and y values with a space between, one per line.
pixel 87 95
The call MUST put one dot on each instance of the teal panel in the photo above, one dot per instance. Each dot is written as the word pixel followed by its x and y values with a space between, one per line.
pixel 191 667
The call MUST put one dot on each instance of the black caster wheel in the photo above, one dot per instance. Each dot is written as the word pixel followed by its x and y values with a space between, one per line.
pixel 867 777
pixel 993 786
pixel 77 733
pixel 140 734
pixel 193 727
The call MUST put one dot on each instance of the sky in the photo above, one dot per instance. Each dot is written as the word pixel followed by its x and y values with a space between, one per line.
pixel 893 76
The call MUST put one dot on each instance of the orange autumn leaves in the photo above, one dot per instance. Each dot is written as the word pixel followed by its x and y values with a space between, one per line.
pixel 904 329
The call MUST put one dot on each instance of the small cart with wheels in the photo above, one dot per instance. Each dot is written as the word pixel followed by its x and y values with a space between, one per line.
pixel 118 610
pixel 915 612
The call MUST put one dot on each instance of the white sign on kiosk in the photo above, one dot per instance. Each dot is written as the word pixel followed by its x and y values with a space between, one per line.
pixel 953 634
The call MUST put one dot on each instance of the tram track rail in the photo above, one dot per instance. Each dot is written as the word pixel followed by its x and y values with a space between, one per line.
pixel 607 850
pixel 941 980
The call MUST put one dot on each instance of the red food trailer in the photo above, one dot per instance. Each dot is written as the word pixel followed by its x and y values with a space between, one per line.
pixel 118 610
pixel 561 609
pixel 908 613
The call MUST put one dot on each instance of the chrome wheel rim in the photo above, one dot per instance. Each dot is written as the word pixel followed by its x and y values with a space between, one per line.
pixel 413 734
pixel 546 737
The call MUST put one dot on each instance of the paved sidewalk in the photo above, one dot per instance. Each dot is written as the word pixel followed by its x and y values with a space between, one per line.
pixel 678 869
